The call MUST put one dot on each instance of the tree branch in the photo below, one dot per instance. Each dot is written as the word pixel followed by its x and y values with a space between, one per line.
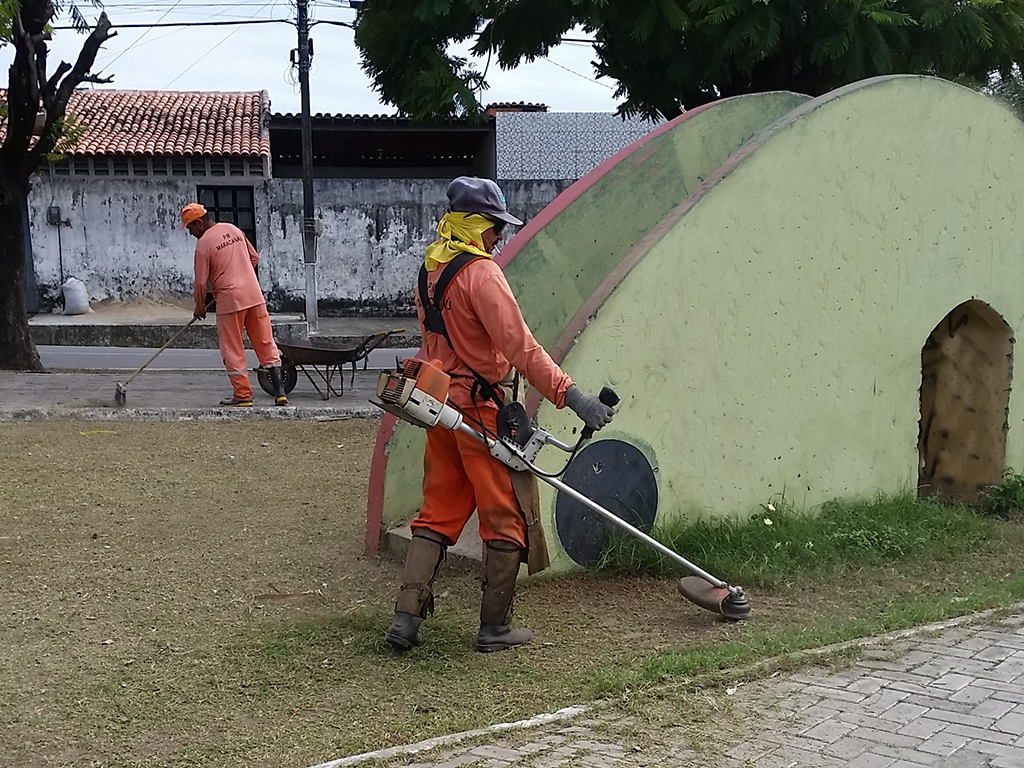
pixel 51 85
pixel 56 92
pixel 40 63
pixel 98 79
pixel 85 61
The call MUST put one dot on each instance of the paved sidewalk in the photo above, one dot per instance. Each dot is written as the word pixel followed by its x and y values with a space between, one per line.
pixel 951 696
pixel 169 396
pixel 163 393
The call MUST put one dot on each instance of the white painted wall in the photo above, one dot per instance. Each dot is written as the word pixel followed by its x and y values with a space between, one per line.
pixel 375 232
pixel 122 240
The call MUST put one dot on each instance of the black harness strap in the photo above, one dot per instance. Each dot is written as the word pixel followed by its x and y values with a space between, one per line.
pixel 433 321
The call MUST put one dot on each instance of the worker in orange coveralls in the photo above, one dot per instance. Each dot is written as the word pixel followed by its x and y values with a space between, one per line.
pixel 226 261
pixel 476 331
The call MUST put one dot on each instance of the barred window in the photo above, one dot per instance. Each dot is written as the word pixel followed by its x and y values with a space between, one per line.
pixel 235 205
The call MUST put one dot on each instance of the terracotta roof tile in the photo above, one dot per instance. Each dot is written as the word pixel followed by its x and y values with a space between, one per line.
pixel 171 122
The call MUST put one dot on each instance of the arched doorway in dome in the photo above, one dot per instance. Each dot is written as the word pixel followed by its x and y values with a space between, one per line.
pixel 966 368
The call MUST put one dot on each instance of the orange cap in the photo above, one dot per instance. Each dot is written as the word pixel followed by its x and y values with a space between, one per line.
pixel 191 212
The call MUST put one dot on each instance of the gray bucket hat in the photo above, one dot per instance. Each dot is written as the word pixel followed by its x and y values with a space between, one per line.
pixel 468 194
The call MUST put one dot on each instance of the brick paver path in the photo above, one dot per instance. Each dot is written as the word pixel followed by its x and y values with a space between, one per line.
pixel 951 698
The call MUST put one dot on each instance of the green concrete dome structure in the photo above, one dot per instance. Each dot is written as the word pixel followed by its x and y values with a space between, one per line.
pixel 828 311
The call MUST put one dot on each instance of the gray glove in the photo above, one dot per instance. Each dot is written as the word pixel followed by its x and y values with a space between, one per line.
pixel 594 413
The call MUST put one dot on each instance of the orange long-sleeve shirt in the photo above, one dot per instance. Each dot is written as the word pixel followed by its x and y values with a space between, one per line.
pixel 225 259
pixel 487 327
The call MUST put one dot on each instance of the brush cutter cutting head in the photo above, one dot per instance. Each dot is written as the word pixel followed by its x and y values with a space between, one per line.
pixel 731 604
pixel 121 394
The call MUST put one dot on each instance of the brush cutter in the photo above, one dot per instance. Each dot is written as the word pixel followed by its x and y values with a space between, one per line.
pixel 121 393
pixel 418 392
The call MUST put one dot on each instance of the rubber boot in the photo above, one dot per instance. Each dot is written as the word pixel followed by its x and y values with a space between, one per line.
pixel 416 597
pixel 236 402
pixel 500 571
pixel 277 379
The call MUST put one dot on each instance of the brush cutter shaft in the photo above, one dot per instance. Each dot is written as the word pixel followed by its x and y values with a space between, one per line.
pixel 418 392
pixel 635 532
pixel 558 443
pixel 507 456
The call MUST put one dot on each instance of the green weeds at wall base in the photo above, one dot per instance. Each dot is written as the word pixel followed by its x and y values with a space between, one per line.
pixel 781 543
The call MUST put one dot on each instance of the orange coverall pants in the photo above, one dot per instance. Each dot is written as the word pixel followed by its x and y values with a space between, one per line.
pixel 459 475
pixel 256 322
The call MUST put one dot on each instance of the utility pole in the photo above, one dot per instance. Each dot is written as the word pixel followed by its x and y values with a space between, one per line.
pixel 309 223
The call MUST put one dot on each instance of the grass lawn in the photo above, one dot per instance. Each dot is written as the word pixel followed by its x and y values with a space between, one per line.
pixel 195 594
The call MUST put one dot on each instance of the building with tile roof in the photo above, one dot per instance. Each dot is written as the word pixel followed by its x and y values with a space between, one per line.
pixel 107 213
pixel 173 133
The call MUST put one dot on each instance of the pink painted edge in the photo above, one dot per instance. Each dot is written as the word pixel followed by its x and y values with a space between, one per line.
pixel 375 486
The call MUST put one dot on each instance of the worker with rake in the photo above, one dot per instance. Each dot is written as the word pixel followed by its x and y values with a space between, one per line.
pixel 472 324
pixel 226 262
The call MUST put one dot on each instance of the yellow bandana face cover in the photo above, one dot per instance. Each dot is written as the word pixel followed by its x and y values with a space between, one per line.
pixel 457 233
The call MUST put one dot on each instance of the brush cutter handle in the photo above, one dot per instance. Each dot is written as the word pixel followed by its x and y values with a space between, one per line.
pixel 609 398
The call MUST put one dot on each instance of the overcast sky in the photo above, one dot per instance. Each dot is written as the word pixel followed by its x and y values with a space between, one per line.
pixel 256 57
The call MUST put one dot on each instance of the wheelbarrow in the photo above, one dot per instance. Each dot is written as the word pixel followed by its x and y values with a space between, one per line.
pixel 323 359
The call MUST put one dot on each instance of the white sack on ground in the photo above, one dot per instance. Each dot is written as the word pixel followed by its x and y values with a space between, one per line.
pixel 76 297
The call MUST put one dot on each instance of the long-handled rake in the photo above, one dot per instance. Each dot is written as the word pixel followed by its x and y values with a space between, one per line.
pixel 121 393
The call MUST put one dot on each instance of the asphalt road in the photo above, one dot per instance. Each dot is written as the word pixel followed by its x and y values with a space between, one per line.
pixel 130 358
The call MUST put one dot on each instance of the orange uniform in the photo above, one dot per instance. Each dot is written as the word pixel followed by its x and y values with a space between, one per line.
pixel 476 331
pixel 225 260
pixel 487 328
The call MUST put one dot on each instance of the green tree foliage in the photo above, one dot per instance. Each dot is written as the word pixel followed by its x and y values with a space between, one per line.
pixel 670 55
pixel 1008 87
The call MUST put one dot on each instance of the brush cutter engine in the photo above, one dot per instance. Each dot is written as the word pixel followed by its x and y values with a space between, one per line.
pixel 417 392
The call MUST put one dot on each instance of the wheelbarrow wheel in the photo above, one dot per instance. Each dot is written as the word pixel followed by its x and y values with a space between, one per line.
pixel 288 373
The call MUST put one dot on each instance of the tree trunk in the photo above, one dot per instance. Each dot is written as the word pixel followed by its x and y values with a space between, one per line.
pixel 17 350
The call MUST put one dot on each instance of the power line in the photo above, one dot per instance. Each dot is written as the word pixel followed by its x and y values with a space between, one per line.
pixel 574 72
pixel 240 23
pixel 215 47
pixel 150 29
pixel 158 6
pixel 244 22
pixel 176 30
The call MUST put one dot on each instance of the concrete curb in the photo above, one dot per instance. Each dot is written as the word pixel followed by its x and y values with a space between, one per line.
pixel 569 713
pixel 191 414
pixel 152 336
pixel 382 754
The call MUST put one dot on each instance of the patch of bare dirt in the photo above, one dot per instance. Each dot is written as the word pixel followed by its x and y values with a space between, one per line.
pixel 196 594
pixel 137 556
pixel 146 308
